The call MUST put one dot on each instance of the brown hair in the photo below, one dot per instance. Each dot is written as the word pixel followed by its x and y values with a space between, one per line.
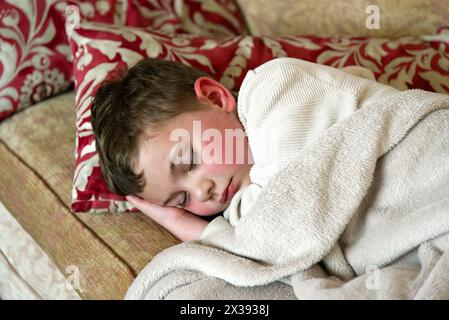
pixel 152 92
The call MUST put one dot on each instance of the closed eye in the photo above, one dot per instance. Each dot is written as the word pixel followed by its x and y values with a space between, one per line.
pixel 192 166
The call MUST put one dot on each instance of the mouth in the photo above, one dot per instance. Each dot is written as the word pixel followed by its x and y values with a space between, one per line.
pixel 228 193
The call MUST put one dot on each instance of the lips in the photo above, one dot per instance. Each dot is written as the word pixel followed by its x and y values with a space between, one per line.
pixel 232 189
pixel 228 193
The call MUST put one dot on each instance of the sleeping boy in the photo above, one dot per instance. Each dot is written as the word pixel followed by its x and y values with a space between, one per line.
pixel 183 148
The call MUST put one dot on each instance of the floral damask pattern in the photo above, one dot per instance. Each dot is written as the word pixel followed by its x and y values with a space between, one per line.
pixel 35 59
pixel 202 17
pixel 100 50
pixel 34 56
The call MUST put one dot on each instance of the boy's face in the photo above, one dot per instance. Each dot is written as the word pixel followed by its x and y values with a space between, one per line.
pixel 207 186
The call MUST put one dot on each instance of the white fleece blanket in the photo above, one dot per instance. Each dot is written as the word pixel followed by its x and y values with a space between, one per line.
pixel 362 212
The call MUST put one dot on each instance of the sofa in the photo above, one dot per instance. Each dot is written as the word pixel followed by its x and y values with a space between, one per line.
pixel 49 252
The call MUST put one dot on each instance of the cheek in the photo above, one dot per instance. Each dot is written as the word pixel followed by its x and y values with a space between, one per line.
pixel 216 169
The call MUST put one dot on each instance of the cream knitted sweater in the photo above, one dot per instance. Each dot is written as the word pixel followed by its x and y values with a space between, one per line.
pixel 283 105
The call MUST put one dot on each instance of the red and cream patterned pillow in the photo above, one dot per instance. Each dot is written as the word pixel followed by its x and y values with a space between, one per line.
pixel 35 60
pixel 202 17
pixel 99 51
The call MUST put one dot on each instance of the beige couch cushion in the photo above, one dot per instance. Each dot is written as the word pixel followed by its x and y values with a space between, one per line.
pixel 330 17
pixel 36 166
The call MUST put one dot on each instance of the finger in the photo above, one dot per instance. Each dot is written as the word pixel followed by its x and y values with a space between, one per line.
pixel 139 200
pixel 131 199
pixel 147 206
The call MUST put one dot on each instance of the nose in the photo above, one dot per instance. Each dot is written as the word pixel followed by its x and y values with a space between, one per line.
pixel 201 189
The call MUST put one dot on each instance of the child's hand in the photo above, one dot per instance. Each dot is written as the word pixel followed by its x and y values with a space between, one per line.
pixel 182 223
pixel 155 211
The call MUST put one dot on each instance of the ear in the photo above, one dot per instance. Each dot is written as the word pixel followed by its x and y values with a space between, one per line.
pixel 210 90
